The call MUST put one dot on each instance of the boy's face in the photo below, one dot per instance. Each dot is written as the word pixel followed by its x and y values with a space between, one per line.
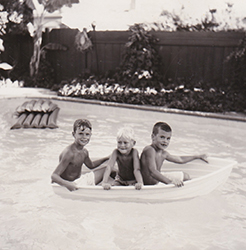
pixel 82 135
pixel 125 145
pixel 162 139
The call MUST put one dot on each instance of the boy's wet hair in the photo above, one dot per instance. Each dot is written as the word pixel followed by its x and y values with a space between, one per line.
pixel 163 126
pixel 84 123
pixel 126 132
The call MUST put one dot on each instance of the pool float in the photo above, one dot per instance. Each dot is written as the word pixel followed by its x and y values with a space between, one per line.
pixel 20 121
pixel 36 120
pixel 52 118
pixel 21 109
pixel 36 114
pixel 204 179
pixel 28 121
pixel 37 107
pixel 52 107
pixel 45 106
pixel 29 106
pixel 44 121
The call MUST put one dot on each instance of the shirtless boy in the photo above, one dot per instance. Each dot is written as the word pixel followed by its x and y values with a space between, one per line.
pixel 153 156
pixel 128 162
pixel 74 156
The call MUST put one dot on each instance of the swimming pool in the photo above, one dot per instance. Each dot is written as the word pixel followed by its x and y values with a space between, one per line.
pixel 33 217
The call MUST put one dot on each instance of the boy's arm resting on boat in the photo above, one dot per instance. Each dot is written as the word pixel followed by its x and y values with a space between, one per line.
pixel 137 172
pixel 185 159
pixel 71 186
pixel 110 165
pixel 56 175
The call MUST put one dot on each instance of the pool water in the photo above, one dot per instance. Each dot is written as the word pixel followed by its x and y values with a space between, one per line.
pixel 33 217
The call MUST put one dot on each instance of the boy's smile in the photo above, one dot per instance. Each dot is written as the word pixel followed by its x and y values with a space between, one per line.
pixel 124 145
pixel 162 139
pixel 82 136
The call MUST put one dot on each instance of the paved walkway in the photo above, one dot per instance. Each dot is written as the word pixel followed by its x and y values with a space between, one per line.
pixel 26 92
pixel 45 93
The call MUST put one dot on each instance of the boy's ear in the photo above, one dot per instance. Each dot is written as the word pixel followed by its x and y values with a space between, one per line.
pixel 134 143
pixel 152 136
pixel 73 134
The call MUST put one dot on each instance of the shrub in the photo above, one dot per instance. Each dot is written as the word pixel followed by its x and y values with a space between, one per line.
pixel 141 66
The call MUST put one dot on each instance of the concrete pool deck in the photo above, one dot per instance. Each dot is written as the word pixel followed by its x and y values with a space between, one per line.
pixel 14 92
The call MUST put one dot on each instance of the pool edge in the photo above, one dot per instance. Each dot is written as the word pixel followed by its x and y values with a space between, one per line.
pixel 45 93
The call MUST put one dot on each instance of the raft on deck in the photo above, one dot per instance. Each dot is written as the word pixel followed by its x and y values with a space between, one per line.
pixel 204 179
pixel 36 114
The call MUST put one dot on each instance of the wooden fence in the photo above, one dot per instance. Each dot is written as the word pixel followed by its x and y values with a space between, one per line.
pixel 191 55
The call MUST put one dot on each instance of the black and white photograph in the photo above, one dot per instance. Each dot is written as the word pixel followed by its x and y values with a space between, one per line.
pixel 123 124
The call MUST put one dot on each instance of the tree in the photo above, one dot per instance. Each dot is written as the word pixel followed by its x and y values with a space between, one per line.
pixel 22 16
pixel 14 17
pixel 40 9
pixel 141 66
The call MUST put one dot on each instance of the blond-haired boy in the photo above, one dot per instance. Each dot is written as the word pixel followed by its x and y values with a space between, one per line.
pixel 127 159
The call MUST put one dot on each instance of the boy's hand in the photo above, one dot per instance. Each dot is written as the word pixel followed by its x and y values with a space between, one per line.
pixel 177 182
pixel 138 186
pixel 106 186
pixel 204 157
pixel 71 186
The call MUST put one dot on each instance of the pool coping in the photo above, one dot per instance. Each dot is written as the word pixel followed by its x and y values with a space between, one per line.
pixel 8 93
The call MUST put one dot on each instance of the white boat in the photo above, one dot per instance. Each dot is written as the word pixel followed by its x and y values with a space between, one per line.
pixel 204 179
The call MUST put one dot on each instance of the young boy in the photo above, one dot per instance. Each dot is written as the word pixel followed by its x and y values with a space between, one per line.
pixel 128 162
pixel 154 155
pixel 74 156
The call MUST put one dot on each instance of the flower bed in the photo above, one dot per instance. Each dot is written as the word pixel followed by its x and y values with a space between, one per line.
pixel 8 83
pixel 195 99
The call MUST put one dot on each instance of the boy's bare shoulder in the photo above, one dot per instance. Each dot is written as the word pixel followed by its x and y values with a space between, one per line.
pixel 71 150
pixel 165 154
pixel 67 151
pixel 148 150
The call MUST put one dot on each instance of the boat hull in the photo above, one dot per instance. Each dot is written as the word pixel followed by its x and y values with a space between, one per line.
pixel 204 179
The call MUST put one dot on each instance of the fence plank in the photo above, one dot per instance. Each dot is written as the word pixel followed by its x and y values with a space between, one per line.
pixel 197 56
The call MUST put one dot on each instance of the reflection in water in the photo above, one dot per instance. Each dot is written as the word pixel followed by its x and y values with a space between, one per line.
pixel 33 217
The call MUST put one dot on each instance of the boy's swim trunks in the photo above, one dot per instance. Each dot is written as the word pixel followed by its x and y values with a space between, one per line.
pixel 118 181
pixel 87 179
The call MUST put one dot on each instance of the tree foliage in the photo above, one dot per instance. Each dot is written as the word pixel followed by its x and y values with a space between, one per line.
pixel 50 5
pixel 14 16
pixel 23 16
pixel 39 25
pixel 141 63
pixel 53 5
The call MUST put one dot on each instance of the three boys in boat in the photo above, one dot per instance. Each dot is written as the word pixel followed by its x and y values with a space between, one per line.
pixel 132 169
